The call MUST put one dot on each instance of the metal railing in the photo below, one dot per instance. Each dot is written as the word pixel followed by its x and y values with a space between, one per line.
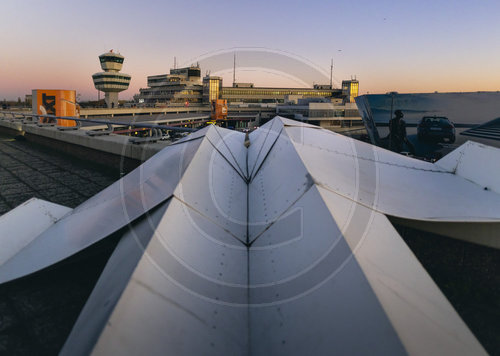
pixel 52 120
pixel 42 120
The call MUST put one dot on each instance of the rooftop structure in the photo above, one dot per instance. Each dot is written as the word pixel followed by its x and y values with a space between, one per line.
pixel 111 82
pixel 212 88
pixel 242 85
pixel 329 114
pixel 350 90
pixel 287 247
pixel 180 86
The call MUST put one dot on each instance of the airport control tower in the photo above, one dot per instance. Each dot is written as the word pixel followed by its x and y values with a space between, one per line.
pixel 111 82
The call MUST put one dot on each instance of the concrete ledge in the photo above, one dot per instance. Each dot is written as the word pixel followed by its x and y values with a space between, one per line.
pixel 16 126
pixel 110 149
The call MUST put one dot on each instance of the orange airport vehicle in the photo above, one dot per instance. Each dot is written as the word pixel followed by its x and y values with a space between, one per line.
pixel 219 110
pixel 55 102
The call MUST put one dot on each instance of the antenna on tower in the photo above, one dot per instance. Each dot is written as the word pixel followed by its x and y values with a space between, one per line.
pixel 175 62
pixel 234 69
pixel 331 75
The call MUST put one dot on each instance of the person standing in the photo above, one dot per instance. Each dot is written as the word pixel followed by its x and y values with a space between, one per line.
pixel 397 133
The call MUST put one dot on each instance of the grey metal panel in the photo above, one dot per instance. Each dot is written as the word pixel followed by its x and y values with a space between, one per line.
pixel 475 162
pixel 439 197
pixel 188 237
pixel 187 295
pixel 295 247
pixel 313 294
pixel 157 317
pixel 313 285
pixel 212 187
pixel 261 141
pixel 423 318
pixel 269 198
pixel 294 288
pixel 340 317
pixel 232 146
pixel 114 207
pixel 327 274
pixel 335 159
pixel 182 240
pixel 24 223
pixel 111 284
pixel 297 307
pixel 324 304
pixel 258 136
pixel 405 187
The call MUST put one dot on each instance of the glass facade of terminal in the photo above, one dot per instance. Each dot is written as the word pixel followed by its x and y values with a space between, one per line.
pixel 162 80
pixel 273 95
pixel 212 87
pixel 326 113
pixel 172 94
pixel 350 89
pixel 268 92
pixel 194 72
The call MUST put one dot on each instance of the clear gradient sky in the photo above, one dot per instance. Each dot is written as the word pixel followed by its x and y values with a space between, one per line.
pixel 405 45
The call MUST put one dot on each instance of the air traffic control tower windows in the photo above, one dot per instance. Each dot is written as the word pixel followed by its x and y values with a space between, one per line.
pixel 111 59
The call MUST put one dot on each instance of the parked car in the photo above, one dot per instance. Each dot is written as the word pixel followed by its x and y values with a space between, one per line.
pixel 436 128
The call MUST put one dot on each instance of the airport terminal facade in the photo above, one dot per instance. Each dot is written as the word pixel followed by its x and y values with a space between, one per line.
pixel 185 86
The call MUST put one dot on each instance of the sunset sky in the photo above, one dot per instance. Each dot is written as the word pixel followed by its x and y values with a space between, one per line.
pixel 404 46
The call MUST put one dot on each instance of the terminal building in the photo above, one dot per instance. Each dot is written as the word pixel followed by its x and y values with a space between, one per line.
pixel 184 86
pixel 322 105
pixel 111 81
pixel 329 114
